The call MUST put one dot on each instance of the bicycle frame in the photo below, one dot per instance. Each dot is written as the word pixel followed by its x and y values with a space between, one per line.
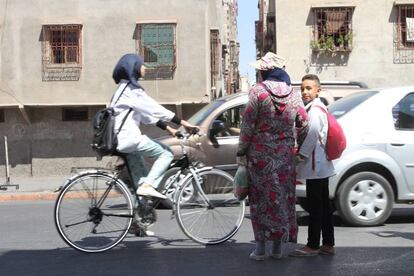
pixel 194 173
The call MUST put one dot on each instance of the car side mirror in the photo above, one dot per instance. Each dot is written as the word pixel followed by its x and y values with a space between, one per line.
pixel 216 128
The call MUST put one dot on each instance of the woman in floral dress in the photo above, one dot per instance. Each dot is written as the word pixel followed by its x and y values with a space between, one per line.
pixel 267 147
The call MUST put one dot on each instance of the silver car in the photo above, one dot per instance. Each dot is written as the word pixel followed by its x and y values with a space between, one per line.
pixel 377 168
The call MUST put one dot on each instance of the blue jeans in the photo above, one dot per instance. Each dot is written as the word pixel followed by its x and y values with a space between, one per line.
pixel 154 150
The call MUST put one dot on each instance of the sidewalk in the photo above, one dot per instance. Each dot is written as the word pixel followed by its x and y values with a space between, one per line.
pixel 32 188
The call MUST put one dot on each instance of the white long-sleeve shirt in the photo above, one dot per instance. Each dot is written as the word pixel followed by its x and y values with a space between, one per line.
pixel 144 110
pixel 313 148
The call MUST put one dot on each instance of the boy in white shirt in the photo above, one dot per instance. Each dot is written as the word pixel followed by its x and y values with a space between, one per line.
pixel 316 169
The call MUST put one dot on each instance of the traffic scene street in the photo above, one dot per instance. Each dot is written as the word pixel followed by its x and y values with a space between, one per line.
pixel 197 137
pixel 30 245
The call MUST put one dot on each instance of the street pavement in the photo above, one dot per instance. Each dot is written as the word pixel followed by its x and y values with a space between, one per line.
pixel 32 188
pixel 30 245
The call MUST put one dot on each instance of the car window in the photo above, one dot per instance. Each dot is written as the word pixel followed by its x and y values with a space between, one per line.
pixel 231 119
pixel 200 115
pixel 347 103
pixel 403 113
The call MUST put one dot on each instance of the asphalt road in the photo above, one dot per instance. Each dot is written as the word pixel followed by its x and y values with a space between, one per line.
pixel 30 245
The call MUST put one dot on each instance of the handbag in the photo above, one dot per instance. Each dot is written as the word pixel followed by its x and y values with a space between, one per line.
pixel 241 183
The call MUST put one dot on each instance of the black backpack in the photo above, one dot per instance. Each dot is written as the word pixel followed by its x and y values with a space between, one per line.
pixel 105 139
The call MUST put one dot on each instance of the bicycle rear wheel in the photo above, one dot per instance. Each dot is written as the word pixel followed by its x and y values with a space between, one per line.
pixel 213 214
pixel 93 212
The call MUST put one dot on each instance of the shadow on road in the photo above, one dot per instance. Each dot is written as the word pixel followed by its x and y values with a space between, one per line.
pixel 398 216
pixel 139 257
pixel 394 234
pixel 401 215
pixel 303 219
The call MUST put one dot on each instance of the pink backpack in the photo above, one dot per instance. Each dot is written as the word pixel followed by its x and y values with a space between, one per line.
pixel 336 141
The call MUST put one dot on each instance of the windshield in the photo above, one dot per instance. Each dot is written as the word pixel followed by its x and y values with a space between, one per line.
pixel 198 117
pixel 347 103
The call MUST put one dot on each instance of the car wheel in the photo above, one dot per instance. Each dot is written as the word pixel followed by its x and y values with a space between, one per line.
pixel 365 199
pixel 166 180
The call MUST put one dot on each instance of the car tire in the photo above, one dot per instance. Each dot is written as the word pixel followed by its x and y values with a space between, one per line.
pixel 365 199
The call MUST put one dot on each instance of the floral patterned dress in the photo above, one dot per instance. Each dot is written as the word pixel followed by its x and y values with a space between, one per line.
pixel 267 139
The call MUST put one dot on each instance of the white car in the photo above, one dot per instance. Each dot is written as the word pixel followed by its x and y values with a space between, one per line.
pixel 376 169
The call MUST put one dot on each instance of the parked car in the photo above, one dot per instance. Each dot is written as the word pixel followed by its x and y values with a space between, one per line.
pixel 376 169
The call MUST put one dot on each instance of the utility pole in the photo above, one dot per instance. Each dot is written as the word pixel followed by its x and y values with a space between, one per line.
pixel 7 184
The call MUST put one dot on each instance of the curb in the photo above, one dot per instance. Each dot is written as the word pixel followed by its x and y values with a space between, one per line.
pixel 28 196
pixel 44 195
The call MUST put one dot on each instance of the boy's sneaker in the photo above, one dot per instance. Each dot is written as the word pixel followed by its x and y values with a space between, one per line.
pixel 147 190
pixel 149 233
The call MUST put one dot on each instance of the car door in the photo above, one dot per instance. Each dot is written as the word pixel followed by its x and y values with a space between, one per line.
pixel 221 146
pixel 401 146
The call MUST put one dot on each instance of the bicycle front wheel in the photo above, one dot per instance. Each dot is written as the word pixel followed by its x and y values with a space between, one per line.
pixel 93 212
pixel 213 214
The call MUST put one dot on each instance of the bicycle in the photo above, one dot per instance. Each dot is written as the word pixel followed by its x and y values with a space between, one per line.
pixel 95 208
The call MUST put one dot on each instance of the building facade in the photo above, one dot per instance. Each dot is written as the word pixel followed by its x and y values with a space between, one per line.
pixel 369 41
pixel 57 57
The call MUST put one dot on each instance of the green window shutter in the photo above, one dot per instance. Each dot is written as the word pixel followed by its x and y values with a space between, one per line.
pixel 166 34
pixel 166 55
pixel 149 35
pixel 159 43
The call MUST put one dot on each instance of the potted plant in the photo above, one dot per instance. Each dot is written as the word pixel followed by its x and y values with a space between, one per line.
pixel 330 43
pixel 315 46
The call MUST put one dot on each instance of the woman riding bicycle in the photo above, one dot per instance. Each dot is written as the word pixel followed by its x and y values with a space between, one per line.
pixel 130 97
pixel 95 209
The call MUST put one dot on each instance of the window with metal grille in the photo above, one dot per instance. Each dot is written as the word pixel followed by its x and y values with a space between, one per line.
pixel 75 114
pixel 406 25
pixel 156 42
pixel 1 115
pixel 61 52
pixel 404 34
pixel 215 54
pixel 332 29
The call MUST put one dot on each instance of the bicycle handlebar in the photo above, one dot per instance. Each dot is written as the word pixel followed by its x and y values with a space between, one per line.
pixel 193 131
pixel 183 137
